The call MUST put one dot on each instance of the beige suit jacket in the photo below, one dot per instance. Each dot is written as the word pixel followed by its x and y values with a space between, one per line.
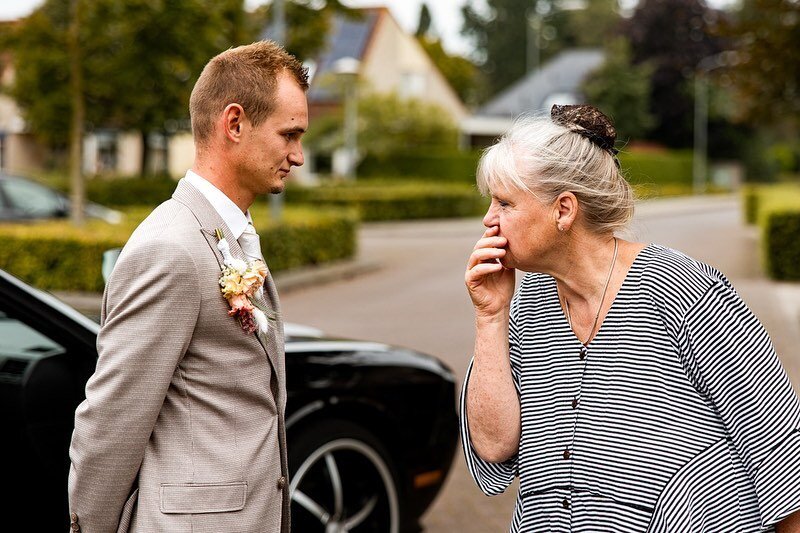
pixel 182 429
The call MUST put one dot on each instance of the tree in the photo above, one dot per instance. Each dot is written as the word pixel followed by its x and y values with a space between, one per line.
pixel 139 62
pixel 622 91
pixel 501 35
pixel 767 73
pixel 673 36
pixel 308 24
pixel 425 20
pixel 461 73
pixel 404 124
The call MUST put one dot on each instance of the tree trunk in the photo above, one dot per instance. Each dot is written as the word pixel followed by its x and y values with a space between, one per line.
pixel 77 184
pixel 145 154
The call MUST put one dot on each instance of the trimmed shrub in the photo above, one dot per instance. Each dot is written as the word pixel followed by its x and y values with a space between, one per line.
pixel 122 192
pixel 440 166
pixel 57 256
pixel 750 204
pixel 400 201
pixel 776 210
pixel 657 168
pixel 781 244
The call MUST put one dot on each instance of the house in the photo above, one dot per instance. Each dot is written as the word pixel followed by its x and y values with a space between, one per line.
pixel 390 60
pixel 557 82
pixel 385 59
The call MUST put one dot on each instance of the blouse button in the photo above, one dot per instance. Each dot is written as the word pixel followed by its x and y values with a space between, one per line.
pixel 574 403
pixel 566 453
pixel 565 503
pixel 583 353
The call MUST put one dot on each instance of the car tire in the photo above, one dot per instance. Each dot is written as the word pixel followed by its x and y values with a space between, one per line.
pixel 342 480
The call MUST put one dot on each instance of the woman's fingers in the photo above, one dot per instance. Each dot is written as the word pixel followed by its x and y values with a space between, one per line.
pixel 490 242
pixel 485 255
pixel 480 271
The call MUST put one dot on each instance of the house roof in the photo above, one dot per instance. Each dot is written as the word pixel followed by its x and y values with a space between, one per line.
pixel 349 37
pixel 560 77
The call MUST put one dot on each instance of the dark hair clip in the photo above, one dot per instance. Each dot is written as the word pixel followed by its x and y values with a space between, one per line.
pixel 590 122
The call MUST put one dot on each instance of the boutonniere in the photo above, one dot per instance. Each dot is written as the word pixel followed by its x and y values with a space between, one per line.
pixel 240 281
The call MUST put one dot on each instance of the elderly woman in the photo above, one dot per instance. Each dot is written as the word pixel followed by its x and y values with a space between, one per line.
pixel 625 384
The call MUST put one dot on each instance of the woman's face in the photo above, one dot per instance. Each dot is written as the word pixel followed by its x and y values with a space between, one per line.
pixel 528 225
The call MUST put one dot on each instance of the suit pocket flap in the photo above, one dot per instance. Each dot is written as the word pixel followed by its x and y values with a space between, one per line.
pixel 197 498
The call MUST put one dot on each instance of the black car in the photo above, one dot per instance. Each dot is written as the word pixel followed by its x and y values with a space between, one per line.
pixel 23 199
pixel 371 428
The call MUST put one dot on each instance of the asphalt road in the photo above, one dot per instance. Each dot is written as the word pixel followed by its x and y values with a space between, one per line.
pixel 417 299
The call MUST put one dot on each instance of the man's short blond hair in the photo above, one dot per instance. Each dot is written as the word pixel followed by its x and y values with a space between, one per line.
pixel 245 75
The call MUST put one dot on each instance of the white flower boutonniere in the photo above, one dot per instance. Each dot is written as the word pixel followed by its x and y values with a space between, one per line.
pixel 240 280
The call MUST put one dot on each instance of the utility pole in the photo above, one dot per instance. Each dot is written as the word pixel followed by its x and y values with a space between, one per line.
pixel 77 185
pixel 279 36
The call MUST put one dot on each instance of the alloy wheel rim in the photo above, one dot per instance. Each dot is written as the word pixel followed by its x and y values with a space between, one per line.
pixel 334 515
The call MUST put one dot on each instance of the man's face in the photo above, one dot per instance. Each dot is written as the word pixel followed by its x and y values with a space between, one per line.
pixel 273 147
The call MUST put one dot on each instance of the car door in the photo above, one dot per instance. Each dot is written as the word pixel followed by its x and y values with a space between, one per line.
pixel 45 360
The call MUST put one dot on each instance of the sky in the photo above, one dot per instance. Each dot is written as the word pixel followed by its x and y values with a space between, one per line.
pixel 446 15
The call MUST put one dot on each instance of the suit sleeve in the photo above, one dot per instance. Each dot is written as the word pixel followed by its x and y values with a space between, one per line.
pixel 152 304
pixel 732 363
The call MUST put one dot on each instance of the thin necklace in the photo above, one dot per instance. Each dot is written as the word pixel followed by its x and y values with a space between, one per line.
pixel 602 298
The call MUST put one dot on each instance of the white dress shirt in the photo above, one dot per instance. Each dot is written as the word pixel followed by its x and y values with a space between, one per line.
pixel 227 209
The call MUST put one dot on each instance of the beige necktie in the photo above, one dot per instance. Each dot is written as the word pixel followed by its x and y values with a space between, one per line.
pixel 251 243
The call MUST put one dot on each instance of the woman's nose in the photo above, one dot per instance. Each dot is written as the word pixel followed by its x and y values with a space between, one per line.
pixel 490 218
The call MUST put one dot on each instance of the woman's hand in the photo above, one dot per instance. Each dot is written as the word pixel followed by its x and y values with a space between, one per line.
pixel 490 284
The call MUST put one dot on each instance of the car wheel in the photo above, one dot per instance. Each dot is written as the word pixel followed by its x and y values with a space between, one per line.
pixel 341 481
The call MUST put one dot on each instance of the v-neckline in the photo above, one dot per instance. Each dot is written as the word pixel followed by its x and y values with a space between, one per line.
pixel 622 287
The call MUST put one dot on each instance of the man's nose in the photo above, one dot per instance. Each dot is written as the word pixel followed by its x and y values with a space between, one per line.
pixel 296 157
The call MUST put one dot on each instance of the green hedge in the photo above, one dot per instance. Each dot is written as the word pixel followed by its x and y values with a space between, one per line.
pixel 121 192
pixel 385 200
pixel 776 210
pixel 657 168
pixel 440 166
pixel 781 243
pixel 57 256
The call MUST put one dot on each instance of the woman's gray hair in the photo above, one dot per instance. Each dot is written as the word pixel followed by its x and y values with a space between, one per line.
pixel 547 159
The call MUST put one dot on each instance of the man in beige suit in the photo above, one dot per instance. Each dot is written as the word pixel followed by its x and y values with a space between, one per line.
pixel 182 429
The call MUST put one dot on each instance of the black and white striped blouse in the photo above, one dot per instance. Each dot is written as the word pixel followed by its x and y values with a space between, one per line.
pixel 676 417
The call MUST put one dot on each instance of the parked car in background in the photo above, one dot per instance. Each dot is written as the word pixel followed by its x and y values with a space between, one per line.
pixel 23 199
pixel 371 428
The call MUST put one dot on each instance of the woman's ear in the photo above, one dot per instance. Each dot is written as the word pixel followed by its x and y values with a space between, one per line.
pixel 565 211
pixel 232 120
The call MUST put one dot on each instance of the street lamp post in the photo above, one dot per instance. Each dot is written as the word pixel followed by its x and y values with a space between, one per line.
pixel 279 36
pixel 700 156
pixel 347 69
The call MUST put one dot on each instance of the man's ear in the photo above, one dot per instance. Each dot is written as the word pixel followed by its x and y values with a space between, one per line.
pixel 565 211
pixel 233 119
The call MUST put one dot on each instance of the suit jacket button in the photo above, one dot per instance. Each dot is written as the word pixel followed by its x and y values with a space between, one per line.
pixel 74 517
pixel 281 483
pixel 75 527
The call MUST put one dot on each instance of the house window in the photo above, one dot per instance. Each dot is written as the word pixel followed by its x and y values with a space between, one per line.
pixel 106 151
pixel 412 84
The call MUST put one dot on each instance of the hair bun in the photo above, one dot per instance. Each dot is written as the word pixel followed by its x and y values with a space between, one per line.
pixel 588 121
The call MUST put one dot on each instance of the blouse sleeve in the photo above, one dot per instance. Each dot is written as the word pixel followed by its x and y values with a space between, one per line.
pixel 491 478
pixel 731 361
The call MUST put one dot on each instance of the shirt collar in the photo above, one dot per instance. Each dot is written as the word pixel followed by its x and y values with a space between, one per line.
pixel 227 209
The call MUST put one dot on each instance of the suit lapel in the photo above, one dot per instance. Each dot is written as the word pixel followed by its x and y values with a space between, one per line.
pixel 210 220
